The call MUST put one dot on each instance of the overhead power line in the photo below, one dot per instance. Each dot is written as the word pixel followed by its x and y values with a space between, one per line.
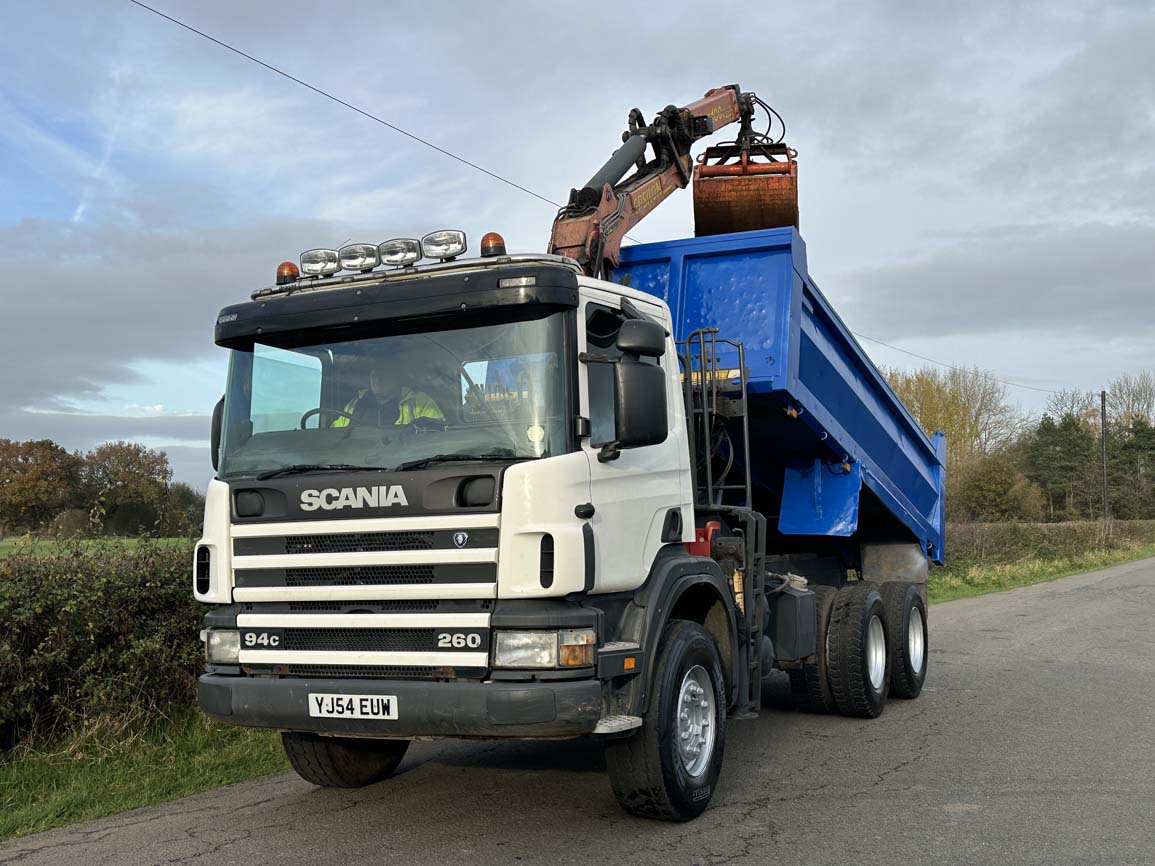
pixel 348 105
pixel 952 366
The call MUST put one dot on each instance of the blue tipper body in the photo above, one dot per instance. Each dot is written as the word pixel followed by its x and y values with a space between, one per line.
pixel 817 402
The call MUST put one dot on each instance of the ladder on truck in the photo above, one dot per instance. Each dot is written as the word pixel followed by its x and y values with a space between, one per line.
pixel 715 390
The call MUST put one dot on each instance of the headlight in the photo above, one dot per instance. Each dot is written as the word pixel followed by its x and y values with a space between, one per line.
pixel 400 252
pixel 443 244
pixel 320 263
pixel 544 649
pixel 525 649
pixel 223 646
pixel 359 257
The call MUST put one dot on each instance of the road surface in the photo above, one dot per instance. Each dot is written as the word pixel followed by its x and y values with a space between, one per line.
pixel 1033 743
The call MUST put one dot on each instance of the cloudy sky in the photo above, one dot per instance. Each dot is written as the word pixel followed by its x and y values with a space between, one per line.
pixel 977 179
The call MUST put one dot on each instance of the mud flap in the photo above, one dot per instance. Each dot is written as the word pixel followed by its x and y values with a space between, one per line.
pixel 820 499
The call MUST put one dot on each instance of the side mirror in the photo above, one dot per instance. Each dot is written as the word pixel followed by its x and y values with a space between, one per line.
pixel 642 337
pixel 215 435
pixel 639 404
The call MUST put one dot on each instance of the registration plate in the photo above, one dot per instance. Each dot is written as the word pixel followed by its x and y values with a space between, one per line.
pixel 352 706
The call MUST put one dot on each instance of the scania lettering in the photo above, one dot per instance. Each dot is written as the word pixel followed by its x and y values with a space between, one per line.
pixel 349 497
pixel 601 491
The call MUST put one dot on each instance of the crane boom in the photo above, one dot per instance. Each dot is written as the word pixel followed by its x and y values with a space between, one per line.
pixel 591 226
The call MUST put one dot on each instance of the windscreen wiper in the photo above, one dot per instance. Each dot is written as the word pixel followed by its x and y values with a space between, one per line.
pixel 502 454
pixel 301 468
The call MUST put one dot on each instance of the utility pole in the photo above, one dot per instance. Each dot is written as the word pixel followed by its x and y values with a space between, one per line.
pixel 1103 448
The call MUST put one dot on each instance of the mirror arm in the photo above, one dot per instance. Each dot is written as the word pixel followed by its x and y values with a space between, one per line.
pixel 215 433
pixel 591 358
pixel 630 311
pixel 609 451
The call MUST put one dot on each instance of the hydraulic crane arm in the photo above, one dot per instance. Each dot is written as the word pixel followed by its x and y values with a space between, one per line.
pixel 591 226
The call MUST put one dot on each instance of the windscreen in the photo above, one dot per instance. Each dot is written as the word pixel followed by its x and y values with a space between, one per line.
pixel 389 400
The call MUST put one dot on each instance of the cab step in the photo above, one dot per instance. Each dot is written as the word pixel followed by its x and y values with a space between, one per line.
pixel 617 724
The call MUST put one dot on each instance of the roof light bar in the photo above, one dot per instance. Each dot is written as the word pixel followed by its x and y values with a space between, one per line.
pixel 320 263
pixel 400 252
pixel 359 257
pixel 444 244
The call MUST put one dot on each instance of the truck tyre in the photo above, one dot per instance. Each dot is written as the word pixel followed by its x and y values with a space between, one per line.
pixel 859 660
pixel 342 762
pixel 811 683
pixel 906 616
pixel 669 768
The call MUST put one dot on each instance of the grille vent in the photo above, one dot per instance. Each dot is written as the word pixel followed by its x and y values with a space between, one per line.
pixel 359 542
pixel 364 575
pixel 360 639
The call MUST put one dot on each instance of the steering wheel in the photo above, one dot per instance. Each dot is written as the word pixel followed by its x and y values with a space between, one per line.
pixel 427 425
pixel 322 411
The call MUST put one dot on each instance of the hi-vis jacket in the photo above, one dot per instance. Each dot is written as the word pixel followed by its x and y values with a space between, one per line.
pixel 411 406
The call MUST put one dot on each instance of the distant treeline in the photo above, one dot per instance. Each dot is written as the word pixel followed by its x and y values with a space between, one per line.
pixel 1003 464
pixel 119 488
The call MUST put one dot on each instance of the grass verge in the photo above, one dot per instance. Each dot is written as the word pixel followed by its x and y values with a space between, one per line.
pixel 96 776
pixel 966 580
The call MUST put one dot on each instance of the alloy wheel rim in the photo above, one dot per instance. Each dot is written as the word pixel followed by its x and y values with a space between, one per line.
pixel 695 721
pixel 916 640
pixel 876 652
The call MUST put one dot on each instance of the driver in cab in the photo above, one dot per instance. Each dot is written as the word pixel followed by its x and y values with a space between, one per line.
pixel 388 401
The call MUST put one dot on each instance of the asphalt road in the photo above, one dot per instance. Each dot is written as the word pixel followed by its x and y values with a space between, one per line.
pixel 1033 743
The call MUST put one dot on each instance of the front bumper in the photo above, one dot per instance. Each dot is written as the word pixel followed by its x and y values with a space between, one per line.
pixel 440 709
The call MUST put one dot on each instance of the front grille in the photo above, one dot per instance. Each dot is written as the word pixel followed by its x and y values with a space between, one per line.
pixel 371 606
pixel 360 639
pixel 362 575
pixel 376 672
pixel 383 606
pixel 359 542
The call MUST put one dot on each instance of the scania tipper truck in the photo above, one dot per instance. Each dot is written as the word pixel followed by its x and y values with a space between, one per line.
pixel 601 491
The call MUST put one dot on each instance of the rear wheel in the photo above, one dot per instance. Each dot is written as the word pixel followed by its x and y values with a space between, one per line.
pixel 810 683
pixel 342 762
pixel 669 768
pixel 859 661
pixel 906 615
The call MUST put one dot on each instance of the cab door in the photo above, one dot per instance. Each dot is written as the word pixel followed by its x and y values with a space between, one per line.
pixel 642 497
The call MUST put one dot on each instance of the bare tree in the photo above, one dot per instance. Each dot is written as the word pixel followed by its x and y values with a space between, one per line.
pixel 1084 405
pixel 970 405
pixel 993 422
pixel 1131 397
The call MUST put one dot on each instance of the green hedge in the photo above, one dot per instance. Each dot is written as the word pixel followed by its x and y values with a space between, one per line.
pixel 95 634
pixel 973 544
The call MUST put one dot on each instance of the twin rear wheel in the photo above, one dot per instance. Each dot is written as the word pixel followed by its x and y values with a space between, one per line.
pixel 906 615
pixel 871 643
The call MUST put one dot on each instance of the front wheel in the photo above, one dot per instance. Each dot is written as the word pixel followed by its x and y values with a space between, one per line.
pixel 342 762
pixel 668 769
